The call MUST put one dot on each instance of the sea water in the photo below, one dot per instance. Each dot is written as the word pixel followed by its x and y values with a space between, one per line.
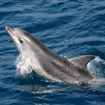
pixel 70 28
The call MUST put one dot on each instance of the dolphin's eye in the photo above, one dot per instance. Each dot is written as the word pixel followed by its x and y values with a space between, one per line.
pixel 21 41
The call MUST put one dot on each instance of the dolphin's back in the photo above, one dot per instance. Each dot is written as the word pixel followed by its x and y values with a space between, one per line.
pixel 69 71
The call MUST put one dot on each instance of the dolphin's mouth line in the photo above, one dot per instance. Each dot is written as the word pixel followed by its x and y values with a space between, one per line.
pixel 10 30
pixel 15 38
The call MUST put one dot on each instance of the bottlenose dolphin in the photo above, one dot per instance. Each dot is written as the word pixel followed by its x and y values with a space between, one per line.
pixel 49 64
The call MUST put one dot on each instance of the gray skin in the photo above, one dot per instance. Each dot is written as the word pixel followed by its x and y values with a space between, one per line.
pixel 49 64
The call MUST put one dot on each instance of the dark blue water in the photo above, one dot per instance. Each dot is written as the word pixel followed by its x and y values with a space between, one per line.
pixel 69 28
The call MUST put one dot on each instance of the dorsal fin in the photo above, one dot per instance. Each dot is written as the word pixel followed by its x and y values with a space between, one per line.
pixel 82 60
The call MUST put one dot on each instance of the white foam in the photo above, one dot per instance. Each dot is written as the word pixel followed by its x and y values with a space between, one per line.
pixel 96 67
pixel 98 59
pixel 23 65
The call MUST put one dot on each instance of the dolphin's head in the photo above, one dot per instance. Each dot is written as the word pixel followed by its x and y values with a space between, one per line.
pixel 31 48
pixel 23 40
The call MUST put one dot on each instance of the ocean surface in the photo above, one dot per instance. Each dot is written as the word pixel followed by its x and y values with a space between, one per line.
pixel 69 28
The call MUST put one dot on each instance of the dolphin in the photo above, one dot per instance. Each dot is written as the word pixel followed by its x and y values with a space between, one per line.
pixel 49 64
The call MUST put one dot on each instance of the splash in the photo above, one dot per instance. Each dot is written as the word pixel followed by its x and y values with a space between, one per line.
pixel 23 65
pixel 96 67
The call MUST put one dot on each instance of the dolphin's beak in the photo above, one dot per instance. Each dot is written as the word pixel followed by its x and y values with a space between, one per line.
pixel 14 36
pixel 9 29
